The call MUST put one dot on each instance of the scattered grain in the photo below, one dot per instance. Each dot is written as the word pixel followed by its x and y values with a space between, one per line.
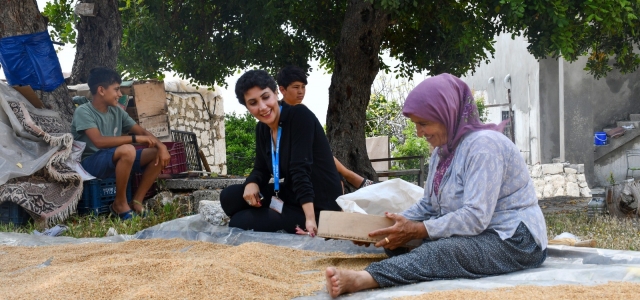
pixel 166 269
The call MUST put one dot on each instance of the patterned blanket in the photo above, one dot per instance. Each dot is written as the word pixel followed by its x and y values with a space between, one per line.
pixel 51 193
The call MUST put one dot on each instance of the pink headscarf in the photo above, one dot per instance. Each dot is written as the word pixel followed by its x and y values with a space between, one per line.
pixel 448 100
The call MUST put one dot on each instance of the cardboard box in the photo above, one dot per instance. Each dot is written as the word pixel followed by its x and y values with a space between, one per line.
pixel 355 227
pixel 31 96
pixel 149 98
pixel 157 125
pixel 351 226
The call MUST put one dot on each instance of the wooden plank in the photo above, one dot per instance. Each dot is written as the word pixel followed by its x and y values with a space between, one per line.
pixel 150 98
pixel 395 158
pixel 394 173
pixel 204 160
pixel 157 125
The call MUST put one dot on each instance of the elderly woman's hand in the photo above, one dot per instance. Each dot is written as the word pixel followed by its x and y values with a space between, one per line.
pixel 400 233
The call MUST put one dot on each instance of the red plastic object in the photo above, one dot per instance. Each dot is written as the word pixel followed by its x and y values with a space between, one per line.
pixel 177 165
pixel 178 162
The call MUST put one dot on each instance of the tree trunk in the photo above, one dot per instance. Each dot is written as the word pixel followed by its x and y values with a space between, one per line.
pixel 356 66
pixel 23 17
pixel 98 41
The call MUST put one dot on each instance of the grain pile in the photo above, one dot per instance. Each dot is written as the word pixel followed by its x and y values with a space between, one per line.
pixel 166 269
pixel 611 290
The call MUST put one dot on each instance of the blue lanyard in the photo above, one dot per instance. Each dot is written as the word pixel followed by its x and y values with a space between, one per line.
pixel 275 160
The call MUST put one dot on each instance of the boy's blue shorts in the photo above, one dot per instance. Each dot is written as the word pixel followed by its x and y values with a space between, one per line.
pixel 101 165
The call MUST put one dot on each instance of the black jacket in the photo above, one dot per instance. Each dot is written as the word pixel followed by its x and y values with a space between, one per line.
pixel 306 160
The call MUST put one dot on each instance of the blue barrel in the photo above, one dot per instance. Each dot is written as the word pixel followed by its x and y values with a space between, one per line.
pixel 600 138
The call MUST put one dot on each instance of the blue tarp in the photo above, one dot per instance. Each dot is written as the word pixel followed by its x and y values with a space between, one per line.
pixel 31 60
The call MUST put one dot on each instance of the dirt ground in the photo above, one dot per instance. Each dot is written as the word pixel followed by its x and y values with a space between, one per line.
pixel 179 269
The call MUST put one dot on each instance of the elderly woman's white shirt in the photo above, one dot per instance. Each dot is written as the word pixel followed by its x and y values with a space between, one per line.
pixel 487 186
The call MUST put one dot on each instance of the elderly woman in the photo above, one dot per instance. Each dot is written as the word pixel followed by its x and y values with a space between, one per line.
pixel 479 215
pixel 291 145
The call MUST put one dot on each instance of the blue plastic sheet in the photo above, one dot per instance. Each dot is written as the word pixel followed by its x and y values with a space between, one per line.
pixel 31 60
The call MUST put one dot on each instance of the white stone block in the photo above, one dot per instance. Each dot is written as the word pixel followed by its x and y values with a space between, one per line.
pixel 190 115
pixel 573 190
pixel 582 184
pixel 552 169
pixel 558 181
pixel 164 198
pixel 536 171
pixel 559 192
pixel 548 191
pixel 581 178
pixel 579 167
pixel 538 194
pixel 585 192
pixel 212 212
pixel 571 178
pixel 538 184
pixel 570 170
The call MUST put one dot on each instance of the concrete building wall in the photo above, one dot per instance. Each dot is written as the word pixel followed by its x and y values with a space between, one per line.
pixel 615 164
pixel 590 106
pixel 549 115
pixel 200 111
pixel 512 58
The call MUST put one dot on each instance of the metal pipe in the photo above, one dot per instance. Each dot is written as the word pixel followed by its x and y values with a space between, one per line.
pixel 561 106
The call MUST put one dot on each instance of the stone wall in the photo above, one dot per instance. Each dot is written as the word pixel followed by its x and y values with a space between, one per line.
pixel 559 180
pixel 199 110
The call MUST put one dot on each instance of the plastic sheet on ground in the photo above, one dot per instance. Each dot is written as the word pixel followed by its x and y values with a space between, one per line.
pixel 565 265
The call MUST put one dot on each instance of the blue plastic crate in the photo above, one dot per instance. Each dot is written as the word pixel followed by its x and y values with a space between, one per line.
pixel 98 195
pixel 13 213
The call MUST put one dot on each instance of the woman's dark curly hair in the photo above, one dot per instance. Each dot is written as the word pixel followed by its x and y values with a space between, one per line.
pixel 253 78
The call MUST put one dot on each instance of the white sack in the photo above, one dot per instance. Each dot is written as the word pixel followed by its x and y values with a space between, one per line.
pixel 395 195
pixel 74 160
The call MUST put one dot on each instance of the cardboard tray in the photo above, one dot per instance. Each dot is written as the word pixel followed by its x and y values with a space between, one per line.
pixel 351 226
pixel 355 227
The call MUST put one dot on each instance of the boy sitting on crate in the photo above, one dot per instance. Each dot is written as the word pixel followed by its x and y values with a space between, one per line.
pixel 108 153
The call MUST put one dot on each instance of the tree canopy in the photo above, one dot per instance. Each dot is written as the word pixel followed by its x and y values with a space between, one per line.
pixel 209 40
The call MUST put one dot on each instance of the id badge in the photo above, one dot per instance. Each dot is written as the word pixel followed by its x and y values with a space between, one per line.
pixel 276 204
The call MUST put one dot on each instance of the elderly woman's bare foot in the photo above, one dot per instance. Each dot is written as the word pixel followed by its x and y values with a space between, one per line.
pixel 348 281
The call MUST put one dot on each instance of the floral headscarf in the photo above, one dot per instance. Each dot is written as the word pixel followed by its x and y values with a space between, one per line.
pixel 448 100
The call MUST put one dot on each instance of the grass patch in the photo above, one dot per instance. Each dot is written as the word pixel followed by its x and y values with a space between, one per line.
pixel 97 226
pixel 609 232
